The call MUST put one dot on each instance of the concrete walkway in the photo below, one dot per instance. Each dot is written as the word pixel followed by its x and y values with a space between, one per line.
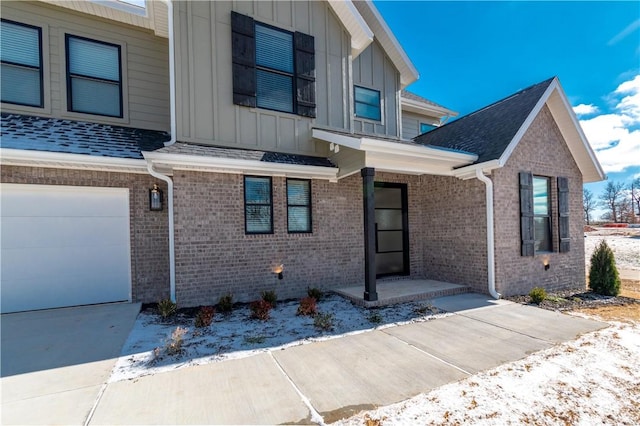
pixel 329 380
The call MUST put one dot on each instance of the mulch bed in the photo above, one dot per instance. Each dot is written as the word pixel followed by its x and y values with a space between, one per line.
pixel 569 301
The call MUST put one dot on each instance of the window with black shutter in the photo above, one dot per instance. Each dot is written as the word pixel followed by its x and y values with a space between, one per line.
pixel 526 214
pixel 272 68
pixel 535 214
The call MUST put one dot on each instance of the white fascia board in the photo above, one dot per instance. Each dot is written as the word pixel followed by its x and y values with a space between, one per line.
pixel 407 166
pixel 420 151
pixel 578 144
pixel 408 72
pixel 422 108
pixel 337 138
pixel 469 172
pixel 361 34
pixel 21 157
pixel 234 165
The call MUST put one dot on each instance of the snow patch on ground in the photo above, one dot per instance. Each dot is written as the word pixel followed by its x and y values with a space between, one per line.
pixel 236 335
pixel 626 249
pixel 592 380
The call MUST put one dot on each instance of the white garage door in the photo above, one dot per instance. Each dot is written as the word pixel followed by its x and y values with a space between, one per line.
pixel 63 246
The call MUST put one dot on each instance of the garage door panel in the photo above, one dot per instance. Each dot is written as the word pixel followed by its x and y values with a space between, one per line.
pixel 55 200
pixel 63 231
pixel 63 246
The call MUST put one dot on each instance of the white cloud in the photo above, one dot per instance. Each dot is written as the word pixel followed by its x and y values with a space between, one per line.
pixel 629 29
pixel 615 136
pixel 585 109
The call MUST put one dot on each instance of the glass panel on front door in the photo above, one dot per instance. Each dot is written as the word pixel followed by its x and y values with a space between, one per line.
pixel 391 229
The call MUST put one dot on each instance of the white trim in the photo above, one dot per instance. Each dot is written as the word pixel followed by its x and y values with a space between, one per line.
pixel 22 157
pixel 422 108
pixel 361 34
pixel 391 46
pixel 234 165
pixel 469 172
pixel 491 266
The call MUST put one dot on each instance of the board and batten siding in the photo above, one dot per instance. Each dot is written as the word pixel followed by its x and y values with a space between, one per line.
pixel 145 63
pixel 374 70
pixel 411 124
pixel 205 110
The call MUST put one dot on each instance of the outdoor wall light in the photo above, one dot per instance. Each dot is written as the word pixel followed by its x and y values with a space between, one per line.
pixel 278 269
pixel 155 198
pixel 545 262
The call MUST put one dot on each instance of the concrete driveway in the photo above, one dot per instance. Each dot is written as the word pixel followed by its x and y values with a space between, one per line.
pixel 54 363
pixel 315 383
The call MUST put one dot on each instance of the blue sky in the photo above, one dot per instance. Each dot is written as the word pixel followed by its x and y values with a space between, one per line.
pixel 470 54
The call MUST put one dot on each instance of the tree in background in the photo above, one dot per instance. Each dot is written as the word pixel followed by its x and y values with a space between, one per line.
pixel 635 197
pixel 612 199
pixel 589 204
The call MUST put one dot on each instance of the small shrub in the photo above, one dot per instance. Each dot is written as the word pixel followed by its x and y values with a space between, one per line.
pixel 375 317
pixel 271 297
pixel 537 295
pixel 225 303
pixel 167 308
pixel 603 274
pixel 307 307
pixel 204 317
pixel 260 309
pixel 315 293
pixel 174 345
pixel 323 321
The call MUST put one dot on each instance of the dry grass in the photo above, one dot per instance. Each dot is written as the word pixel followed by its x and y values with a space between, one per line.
pixel 629 312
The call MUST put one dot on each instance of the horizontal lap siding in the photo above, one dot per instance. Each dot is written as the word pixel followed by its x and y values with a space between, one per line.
pixel 146 73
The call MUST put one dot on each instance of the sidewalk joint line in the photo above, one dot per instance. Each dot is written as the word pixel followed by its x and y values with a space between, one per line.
pixel 103 388
pixel 315 416
pixel 430 354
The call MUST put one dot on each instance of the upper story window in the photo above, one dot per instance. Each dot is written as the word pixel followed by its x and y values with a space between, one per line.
pixel 94 77
pixel 272 68
pixel 425 127
pixel 367 103
pixel 258 205
pixel 21 52
pixel 298 205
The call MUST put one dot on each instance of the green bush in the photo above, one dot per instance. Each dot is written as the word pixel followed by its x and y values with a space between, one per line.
pixel 271 297
pixel 204 317
pixel 603 275
pixel 315 293
pixel 374 317
pixel 225 303
pixel 323 321
pixel 167 308
pixel 537 295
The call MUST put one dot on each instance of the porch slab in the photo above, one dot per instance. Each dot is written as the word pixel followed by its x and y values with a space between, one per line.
pixel 401 291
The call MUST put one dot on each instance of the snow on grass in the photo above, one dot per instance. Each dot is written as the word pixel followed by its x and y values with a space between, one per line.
pixel 236 336
pixel 592 380
pixel 626 248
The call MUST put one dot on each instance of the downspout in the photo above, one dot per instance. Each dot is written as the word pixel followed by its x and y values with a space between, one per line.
pixel 491 269
pixel 171 141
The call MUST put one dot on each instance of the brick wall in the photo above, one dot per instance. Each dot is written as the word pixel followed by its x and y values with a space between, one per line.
pixel 454 237
pixel 148 230
pixel 543 152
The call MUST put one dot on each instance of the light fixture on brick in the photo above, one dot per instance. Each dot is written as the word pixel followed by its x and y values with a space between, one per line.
pixel 278 269
pixel 545 262
pixel 155 198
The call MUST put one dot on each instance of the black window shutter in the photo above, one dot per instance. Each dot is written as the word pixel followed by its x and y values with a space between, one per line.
pixel 563 214
pixel 305 74
pixel 243 48
pixel 526 214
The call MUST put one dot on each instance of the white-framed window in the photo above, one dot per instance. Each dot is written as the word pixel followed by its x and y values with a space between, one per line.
pixel 367 103
pixel 94 76
pixel 21 56
pixel 425 127
pixel 541 214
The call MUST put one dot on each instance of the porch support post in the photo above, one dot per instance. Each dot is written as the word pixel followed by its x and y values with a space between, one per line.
pixel 370 292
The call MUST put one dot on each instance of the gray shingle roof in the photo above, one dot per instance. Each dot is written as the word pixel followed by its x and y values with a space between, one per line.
pixel 245 154
pixel 410 95
pixel 488 131
pixel 33 133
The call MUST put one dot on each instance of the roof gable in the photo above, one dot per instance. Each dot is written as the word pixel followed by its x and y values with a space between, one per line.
pixel 493 132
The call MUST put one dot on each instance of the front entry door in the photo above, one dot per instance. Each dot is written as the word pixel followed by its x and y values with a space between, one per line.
pixel 392 230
